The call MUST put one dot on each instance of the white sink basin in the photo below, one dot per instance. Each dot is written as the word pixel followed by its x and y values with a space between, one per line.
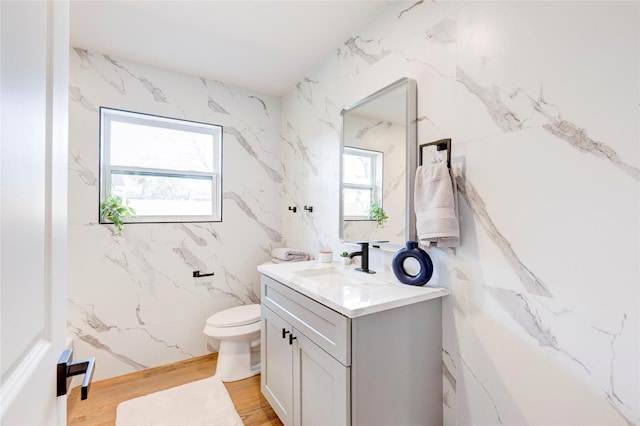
pixel 336 276
pixel 329 276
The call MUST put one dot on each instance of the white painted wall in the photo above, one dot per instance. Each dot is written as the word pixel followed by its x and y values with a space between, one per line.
pixel 541 102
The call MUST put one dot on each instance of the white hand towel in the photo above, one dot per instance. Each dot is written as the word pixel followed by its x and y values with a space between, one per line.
pixel 435 206
pixel 290 255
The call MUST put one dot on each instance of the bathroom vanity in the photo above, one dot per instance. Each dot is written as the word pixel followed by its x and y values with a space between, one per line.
pixel 341 347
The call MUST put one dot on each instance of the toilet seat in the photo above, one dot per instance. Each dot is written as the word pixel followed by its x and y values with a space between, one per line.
pixel 242 332
pixel 235 317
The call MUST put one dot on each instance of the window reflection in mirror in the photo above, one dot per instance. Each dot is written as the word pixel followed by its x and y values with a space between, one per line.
pixel 361 182
pixel 378 165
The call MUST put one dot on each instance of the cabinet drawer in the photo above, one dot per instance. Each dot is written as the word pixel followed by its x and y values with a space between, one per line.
pixel 325 327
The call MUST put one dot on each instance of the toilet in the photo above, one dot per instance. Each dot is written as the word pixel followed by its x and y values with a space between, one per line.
pixel 236 333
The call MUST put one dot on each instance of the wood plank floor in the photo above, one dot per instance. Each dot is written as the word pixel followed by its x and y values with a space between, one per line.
pixel 105 395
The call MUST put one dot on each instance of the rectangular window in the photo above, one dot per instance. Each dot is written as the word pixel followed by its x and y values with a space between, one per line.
pixel 361 182
pixel 168 170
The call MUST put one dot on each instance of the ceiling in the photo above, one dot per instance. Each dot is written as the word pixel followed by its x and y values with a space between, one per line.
pixel 267 46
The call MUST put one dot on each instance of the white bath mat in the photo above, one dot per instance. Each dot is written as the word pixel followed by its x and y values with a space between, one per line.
pixel 205 402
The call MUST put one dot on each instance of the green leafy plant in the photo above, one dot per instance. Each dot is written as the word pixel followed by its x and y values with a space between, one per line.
pixel 344 254
pixel 115 209
pixel 377 213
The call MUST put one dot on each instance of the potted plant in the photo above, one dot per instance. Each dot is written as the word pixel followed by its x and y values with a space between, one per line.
pixel 344 257
pixel 115 209
pixel 377 213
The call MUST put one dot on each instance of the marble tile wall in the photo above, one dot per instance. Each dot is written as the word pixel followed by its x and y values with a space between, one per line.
pixel 542 102
pixel 133 302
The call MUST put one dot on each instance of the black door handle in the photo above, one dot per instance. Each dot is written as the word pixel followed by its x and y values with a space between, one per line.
pixel 67 369
pixel 284 333
pixel 291 339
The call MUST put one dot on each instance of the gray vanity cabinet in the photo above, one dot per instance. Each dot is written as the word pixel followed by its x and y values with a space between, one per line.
pixel 303 384
pixel 320 367
pixel 300 378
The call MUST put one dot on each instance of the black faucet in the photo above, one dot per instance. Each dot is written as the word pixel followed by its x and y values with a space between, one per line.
pixel 364 262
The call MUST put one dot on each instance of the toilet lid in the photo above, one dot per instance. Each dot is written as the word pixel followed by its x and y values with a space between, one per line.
pixel 233 317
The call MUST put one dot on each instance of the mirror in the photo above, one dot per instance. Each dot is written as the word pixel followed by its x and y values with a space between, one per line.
pixel 377 167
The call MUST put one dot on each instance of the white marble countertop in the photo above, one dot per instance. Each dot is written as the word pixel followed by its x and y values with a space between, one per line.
pixel 347 291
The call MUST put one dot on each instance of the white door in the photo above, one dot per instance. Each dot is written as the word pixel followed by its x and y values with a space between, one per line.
pixel 33 208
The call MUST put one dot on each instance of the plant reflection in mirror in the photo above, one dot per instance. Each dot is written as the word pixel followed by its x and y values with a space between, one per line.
pixel 377 213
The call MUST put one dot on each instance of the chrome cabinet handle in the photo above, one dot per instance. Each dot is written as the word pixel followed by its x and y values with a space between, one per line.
pixel 67 369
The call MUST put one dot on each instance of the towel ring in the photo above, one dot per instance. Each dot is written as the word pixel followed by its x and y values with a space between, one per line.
pixel 441 145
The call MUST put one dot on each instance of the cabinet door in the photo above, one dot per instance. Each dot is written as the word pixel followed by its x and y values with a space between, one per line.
pixel 320 386
pixel 277 360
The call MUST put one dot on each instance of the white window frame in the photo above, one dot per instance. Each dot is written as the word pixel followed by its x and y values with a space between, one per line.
pixel 375 185
pixel 109 115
